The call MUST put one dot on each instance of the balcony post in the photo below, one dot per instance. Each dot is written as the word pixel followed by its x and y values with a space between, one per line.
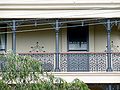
pixel 57 69
pixel 108 26
pixel 14 36
pixel 109 87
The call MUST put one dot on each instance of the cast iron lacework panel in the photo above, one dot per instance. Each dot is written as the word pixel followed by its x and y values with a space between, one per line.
pixel 37 48
pixel 83 62
pixel 2 63
pixel 47 60
pixel 63 62
pixel 74 62
pixel 116 61
pixel 97 62
pixel 77 62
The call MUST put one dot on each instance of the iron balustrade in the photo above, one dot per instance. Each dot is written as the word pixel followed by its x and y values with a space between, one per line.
pixel 76 61
pixel 47 59
pixel 116 61
pixel 83 62
pixel 88 62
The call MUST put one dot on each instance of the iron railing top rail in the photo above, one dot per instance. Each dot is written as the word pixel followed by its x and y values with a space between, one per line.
pixel 89 52
pixel 64 53
pixel 83 52
pixel 67 52
pixel 37 53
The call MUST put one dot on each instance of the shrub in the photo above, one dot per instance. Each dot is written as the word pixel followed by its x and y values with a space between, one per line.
pixel 25 73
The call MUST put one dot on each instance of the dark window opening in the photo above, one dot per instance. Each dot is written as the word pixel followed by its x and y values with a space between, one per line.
pixel 77 38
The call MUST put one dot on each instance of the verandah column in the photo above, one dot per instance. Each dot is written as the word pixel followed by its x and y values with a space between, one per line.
pixel 110 87
pixel 57 69
pixel 14 36
pixel 109 29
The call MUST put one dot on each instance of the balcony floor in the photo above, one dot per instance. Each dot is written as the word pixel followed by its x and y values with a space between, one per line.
pixel 90 77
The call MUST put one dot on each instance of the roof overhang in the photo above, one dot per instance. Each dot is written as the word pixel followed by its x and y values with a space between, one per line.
pixel 60 9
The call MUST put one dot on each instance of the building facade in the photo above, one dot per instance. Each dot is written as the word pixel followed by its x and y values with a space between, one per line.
pixel 73 39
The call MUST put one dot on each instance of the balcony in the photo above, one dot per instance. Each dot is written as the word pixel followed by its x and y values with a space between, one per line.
pixel 90 67
pixel 78 62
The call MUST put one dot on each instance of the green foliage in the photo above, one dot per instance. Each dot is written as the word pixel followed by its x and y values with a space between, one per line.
pixel 25 73
pixel 18 68
pixel 4 86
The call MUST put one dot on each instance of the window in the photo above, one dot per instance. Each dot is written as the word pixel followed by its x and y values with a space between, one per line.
pixel 78 38
pixel 2 37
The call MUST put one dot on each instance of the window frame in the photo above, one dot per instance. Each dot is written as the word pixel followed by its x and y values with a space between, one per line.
pixel 87 38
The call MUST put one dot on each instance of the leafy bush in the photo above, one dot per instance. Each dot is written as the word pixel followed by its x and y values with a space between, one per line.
pixel 18 69
pixel 25 73
pixel 4 86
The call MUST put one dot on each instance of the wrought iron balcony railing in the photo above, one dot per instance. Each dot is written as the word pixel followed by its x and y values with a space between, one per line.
pixel 88 61
pixel 47 59
pixel 78 62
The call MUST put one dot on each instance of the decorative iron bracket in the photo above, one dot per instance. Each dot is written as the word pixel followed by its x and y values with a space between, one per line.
pixel 10 24
pixel 57 25
pixel 37 48
pixel 114 48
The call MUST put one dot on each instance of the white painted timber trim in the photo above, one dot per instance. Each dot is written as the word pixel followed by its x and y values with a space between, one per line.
pixel 90 77
pixel 59 13
pixel 59 1
pixel 59 8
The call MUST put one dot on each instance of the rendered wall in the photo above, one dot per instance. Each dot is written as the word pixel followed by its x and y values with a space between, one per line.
pixel 46 38
pixel 28 39
pixel 100 38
